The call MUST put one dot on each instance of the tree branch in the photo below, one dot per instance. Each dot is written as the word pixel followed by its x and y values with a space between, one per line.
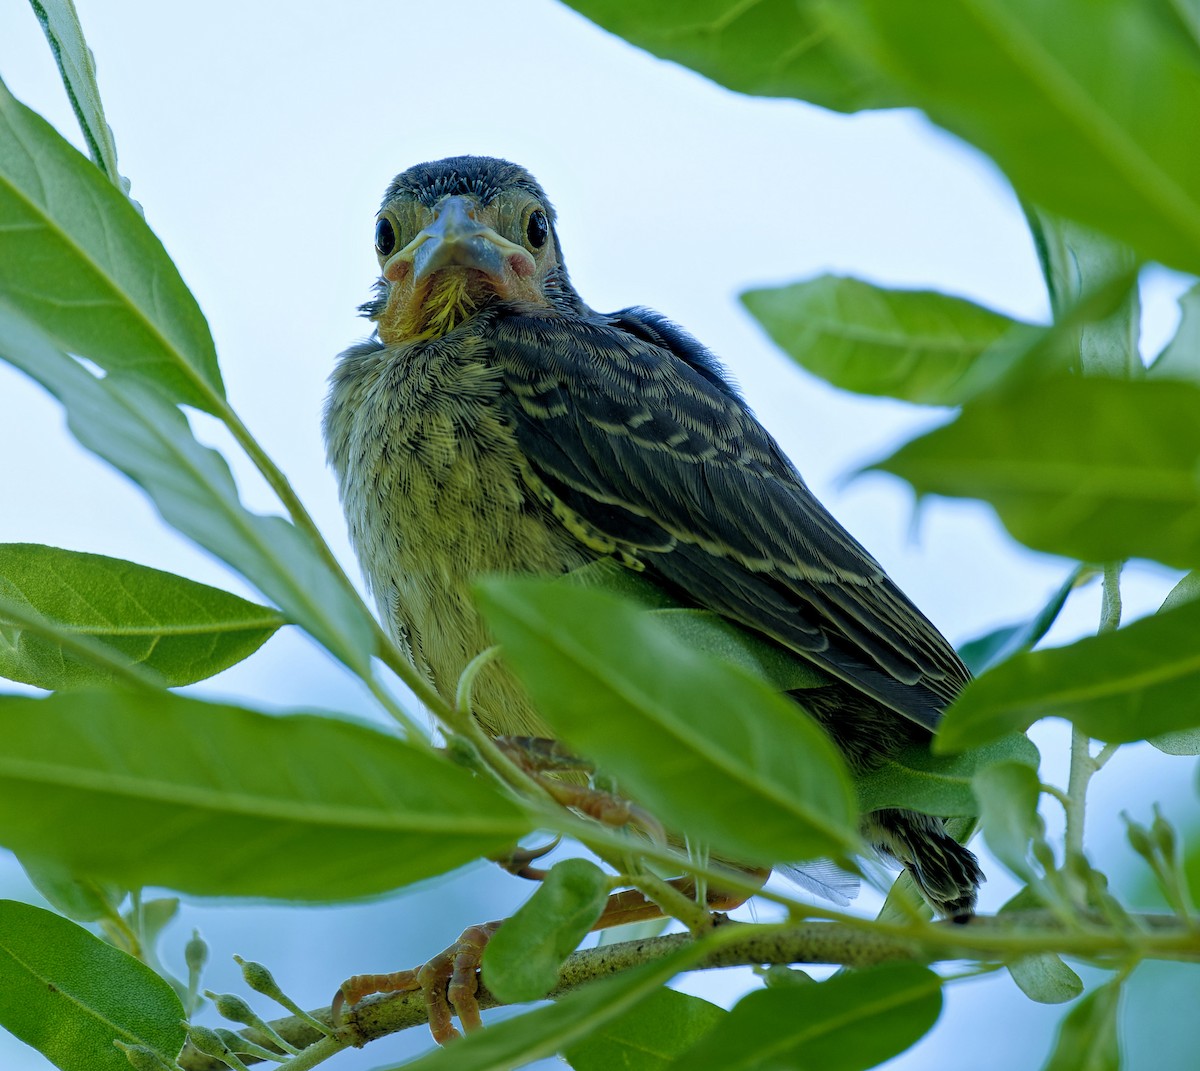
pixel 988 939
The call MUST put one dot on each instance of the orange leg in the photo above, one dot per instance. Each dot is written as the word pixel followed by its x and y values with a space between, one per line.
pixel 450 980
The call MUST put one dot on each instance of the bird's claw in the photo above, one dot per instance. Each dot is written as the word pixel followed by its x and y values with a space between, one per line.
pixel 449 982
pixel 518 861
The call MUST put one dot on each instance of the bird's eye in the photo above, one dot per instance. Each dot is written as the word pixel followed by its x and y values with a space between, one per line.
pixel 385 237
pixel 537 230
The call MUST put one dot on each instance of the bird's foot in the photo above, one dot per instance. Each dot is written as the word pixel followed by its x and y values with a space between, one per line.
pixel 539 757
pixel 449 982
pixel 518 861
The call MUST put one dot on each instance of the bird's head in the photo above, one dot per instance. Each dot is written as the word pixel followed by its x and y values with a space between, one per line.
pixel 458 235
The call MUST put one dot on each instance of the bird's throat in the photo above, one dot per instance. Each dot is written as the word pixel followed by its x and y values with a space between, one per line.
pixel 430 311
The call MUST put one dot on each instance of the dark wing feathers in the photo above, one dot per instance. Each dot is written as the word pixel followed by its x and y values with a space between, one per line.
pixel 627 420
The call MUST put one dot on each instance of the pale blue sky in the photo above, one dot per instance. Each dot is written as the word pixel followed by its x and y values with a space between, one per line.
pixel 259 138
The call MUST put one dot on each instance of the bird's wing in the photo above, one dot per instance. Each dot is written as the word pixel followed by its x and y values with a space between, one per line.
pixel 628 424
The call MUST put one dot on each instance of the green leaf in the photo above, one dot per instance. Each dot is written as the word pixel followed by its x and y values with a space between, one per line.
pixel 138 431
pixel 1008 796
pixel 699 742
pixel 915 345
pixel 541 1033
pixel 153 788
pixel 69 995
pixel 1184 592
pixel 1093 469
pixel 83 265
pixel 80 898
pixel 1180 359
pixel 523 958
pixel 182 630
pixel 999 646
pixel 1087 1038
pixel 77 66
pixel 1133 684
pixel 851 1022
pixel 934 784
pixel 774 48
pixel 1076 261
pixel 1045 978
pixel 1058 95
pixel 702 629
pixel 648 1036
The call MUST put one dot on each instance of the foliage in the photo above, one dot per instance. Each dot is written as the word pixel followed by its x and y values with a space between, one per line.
pixel 1090 108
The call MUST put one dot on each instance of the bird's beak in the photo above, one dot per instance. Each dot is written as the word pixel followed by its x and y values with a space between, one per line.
pixel 457 238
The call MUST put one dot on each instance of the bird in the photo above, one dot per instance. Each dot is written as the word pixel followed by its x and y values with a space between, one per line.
pixel 494 423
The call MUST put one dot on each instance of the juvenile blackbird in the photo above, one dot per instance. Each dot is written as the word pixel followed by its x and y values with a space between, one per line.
pixel 494 423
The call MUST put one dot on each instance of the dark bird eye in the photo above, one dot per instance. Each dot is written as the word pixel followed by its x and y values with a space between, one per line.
pixel 537 230
pixel 385 237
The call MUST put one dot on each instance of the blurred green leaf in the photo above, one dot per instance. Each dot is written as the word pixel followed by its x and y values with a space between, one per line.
pixel 546 1031
pixel 987 651
pixel 1058 95
pixel 83 265
pixel 77 65
pixel 1087 1038
pixel 648 1036
pixel 699 742
pixel 1045 978
pixel 1093 469
pixel 1133 684
pixel 1180 359
pixel 523 958
pixel 138 431
pixel 80 898
pixel 851 1022
pixel 69 995
pixel 1008 795
pixel 152 788
pixel 1076 262
pixel 182 630
pixel 773 48
pixel 935 784
pixel 915 345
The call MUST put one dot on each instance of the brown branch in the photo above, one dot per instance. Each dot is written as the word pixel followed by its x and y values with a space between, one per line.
pixel 984 939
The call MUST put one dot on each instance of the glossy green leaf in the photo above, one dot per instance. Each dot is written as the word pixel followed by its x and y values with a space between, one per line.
pixel 1045 978
pixel 523 958
pixel 1058 95
pixel 773 48
pixel 699 742
pixel 1180 359
pixel 546 1031
pixel 1094 469
pixel 1008 795
pixel 649 1036
pixel 69 995
pixel 80 898
pixel 153 788
pixel 916 345
pixel 1133 684
pixel 182 630
pixel 83 265
pixel 937 784
pixel 138 431
pixel 999 646
pixel 704 630
pixel 1087 1038
pixel 851 1022
pixel 77 66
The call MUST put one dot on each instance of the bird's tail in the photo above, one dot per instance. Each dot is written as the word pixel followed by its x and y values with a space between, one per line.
pixel 947 873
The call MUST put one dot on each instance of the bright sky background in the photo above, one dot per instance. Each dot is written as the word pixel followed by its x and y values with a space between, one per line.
pixel 259 138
